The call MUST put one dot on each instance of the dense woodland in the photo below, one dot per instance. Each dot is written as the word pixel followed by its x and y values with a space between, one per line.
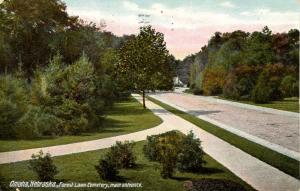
pixel 261 66
pixel 59 74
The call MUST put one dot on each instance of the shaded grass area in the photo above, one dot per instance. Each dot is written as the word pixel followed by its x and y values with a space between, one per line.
pixel 124 117
pixel 80 168
pixel 287 104
pixel 275 159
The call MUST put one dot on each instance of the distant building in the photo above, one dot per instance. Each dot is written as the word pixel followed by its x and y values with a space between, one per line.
pixel 177 82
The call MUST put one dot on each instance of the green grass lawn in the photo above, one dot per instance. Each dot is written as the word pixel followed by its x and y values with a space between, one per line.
pixel 280 161
pixel 125 117
pixel 288 104
pixel 80 168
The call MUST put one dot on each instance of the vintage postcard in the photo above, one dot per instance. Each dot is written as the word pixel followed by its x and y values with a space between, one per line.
pixel 149 95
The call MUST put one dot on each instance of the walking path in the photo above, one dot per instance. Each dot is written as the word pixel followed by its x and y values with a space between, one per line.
pixel 275 130
pixel 258 174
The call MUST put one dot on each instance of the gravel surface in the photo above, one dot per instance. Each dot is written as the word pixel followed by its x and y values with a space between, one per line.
pixel 275 128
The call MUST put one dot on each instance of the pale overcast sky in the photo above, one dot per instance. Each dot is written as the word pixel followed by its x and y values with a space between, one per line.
pixel 188 24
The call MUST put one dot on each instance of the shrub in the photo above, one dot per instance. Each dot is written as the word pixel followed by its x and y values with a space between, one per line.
pixel 230 89
pixel 262 91
pixel 15 90
pixel 9 116
pixel 119 156
pixel 289 86
pixel 168 159
pixel 240 82
pixel 273 74
pixel 43 166
pixel 190 159
pixel 72 94
pixel 154 142
pixel 26 129
pixel 150 149
pixel 213 80
pixel 73 116
pixel 122 154
pixel 13 104
pixel 107 169
pixel 165 149
pixel 36 122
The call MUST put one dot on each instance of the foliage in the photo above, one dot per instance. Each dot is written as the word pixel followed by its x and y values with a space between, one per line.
pixel 122 155
pixel 119 156
pixel 150 149
pixel 29 27
pixel 190 159
pixel 259 48
pixel 9 116
pixel 107 169
pixel 71 93
pixel 240 81
pixel 173 149
pixel 144 62
pixel 168 147
pixel 262 90
pixel 289 86
pixel 43 166
pixel 239 58
pixel 13 104
pixel 168 159
pixel 164 148
pixel 154 142
pixel 213 80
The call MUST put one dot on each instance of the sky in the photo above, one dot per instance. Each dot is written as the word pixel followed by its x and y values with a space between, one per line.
pixel 188 24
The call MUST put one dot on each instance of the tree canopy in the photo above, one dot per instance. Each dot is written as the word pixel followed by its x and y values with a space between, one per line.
pixel 145 63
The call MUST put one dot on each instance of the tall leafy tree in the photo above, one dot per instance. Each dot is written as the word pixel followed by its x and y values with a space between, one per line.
pixel 29 26
pixel 145 62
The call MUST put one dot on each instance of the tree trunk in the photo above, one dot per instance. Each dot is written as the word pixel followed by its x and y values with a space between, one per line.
pixel 144 105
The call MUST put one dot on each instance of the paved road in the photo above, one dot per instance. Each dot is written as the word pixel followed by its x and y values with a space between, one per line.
pixel 258 174
pixel 279 131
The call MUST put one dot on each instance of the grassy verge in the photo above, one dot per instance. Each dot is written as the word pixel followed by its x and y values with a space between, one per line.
pixel 80 168
pixel 125 117
pixel 288 104
pixel 280 161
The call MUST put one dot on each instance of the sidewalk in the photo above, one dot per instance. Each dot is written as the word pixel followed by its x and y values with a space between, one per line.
pixel 258 174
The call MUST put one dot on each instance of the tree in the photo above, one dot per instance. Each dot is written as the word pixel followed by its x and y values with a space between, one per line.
pixel 29 26
pixel 259 48
pixel 144 62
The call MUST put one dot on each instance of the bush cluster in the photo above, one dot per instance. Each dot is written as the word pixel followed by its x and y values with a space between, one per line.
pixel 175 150
pixel 119 156
pixel 59 100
